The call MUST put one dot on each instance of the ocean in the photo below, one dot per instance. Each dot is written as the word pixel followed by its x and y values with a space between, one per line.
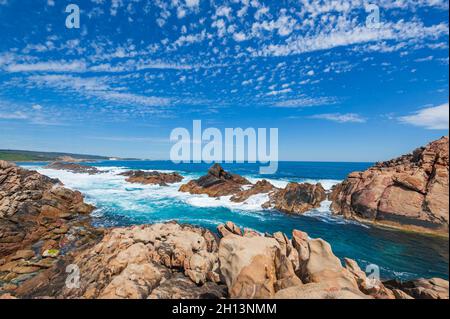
pixel 398 254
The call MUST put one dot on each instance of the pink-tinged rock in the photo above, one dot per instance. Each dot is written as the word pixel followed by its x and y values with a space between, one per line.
pixel 409 192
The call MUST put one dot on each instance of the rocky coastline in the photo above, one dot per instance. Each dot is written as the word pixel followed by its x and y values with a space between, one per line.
pixel 410 192
pixel 73 168
pixel 45 231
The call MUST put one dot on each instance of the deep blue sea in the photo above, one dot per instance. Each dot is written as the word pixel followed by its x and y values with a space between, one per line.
pixel 398 254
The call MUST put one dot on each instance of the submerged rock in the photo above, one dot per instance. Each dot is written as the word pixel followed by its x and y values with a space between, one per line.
pixel 74 168
pixel 409 192
pixel 152 178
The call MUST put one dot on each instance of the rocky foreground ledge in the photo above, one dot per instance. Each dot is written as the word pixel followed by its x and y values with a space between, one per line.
pixel 49 250
pixel 410 192
pixel 173 261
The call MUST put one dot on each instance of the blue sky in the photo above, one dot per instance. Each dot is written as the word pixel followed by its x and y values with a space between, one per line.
pixel 337 89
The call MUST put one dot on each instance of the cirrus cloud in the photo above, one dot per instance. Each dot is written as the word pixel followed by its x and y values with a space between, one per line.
pixel 431 118
pixel 340 118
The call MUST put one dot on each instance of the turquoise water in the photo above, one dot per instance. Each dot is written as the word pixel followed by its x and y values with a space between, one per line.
pixel 398 254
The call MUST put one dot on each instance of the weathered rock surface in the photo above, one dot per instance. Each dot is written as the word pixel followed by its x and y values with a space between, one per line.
pixel 409 192
pixel 229 228
pixel 297 198
pixel 152 178
pixel 216 183
pixel 318 291
pixel 276 267
pixel 369 286
pixel 132 262
pixel 180 287
pixel 248 265
pixel 434 288
pixel 39 220
pixel 74 168
pixel 261 187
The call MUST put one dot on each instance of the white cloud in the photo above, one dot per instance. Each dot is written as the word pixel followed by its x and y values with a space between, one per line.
pixel 58 66
pixel 115 5
pixel 13 116
pixel 431 118
pixel 190 39
pixel 239 37
pixel 192 3
pixel 36 107
pixel 306 102
pixel 347 34
pixel 340 118
pixel 163 66
pixel 274 92
pixel 224 11
pixel 97 87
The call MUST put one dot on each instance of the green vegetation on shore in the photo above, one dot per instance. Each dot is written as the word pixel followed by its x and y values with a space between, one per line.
pixel 32 156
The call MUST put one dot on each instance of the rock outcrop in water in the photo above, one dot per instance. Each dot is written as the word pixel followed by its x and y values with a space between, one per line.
pixel 39 220
pixel 294 199
pixel 73 168
pixel 410 192
pixel 297 198
pixel 261 187
pixel 152 178
pixel 216 183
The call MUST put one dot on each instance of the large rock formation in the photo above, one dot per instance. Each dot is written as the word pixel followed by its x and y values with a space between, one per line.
pixel 410 192
pixel 297 198
pixel 73 168
pixel 256 266
pixel 152 178
pixel 39 220
pixel 216 183
pixel 132 262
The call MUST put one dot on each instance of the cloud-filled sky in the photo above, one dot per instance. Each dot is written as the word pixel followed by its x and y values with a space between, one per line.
pixel 338 86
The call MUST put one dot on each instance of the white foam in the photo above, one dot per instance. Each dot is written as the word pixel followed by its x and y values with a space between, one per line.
pixel 275 182
pixel 253 203
pixel 110 190
pixel 282 183
pixel 324 214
